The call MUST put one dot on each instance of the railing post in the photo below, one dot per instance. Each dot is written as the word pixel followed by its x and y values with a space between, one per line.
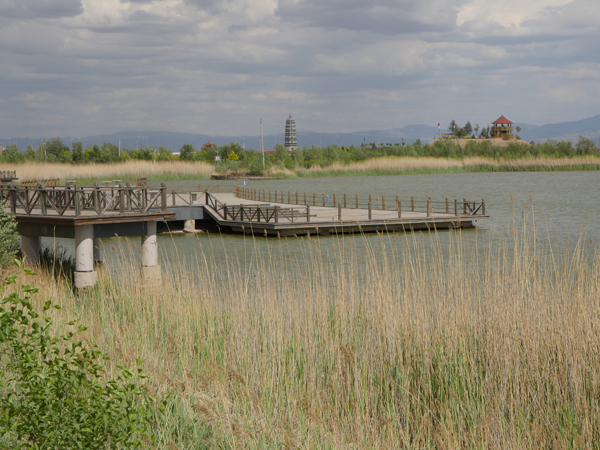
pixel 447 205
pixel 399 208
pixel 334 200
pixel 224 211
pixel 323 199
pixel 356 201
pixel 42 189
pixel 297 198
pixel 173 197
pixel 78 202
pixel 276 214
pixel 383 202
pixel 412 204
pixel 121 198
pixel 305 199
pixel 455 207
pixel 205 196
pixel 340 212
pixel 308 213
pixel 483 206
pixel 129 193
pixel 289 198
pixel 314 199
pixel 163 197
pixel 217 188
pixel 242 213
pixel 429 207
pixel 464 206
pixel 13 197
pixel 369 210
pixel 345 201
pixel 258 213
pixel 269 195
pixel 370 198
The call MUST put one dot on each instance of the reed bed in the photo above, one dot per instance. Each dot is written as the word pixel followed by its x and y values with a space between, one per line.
pixel 401 165
pixel 131 169
pixel 404 345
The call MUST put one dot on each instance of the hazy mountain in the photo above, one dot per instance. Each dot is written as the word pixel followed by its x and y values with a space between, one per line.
pixel 132 139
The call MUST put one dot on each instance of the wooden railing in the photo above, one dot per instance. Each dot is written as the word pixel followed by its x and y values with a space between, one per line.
pixel 8 174
pixel 84 200
pixel 46 183
pixel 369 202
pixel 256 212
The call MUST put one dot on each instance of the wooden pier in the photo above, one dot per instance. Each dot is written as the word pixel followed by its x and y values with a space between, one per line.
pixel 88 213
pixel 279 213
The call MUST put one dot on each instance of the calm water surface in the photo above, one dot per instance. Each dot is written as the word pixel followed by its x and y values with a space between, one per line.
pixel 564 204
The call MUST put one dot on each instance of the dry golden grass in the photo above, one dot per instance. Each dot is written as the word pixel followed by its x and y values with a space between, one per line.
pixel 45 171
pixel 408 164
pixel 402 345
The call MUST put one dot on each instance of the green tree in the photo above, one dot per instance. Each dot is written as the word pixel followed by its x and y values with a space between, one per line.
pixel 12 154
pixel 452 127
pixel 468 129
pixel 187 153
pixel 55 147
pixel 585 146
pixel 460 132
pixel 77 153
pixel 9 237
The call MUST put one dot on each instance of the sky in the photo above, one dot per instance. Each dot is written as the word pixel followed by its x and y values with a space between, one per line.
pixel 84 67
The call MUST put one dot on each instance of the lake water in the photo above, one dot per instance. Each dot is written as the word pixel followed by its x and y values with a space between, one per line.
pixel 562 205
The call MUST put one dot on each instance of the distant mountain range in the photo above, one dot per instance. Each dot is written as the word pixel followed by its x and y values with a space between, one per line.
pixel 132 139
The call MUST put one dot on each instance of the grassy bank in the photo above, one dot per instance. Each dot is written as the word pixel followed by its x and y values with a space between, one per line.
pixel 421 166
pixel 399 346
pixel 126 171
pixel 391 165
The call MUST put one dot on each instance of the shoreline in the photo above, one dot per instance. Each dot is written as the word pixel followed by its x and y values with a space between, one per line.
pixel 385 166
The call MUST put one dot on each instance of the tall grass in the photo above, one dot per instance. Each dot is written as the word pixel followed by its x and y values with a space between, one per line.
pixel 402 345
pixel 393 165
pixel 129 169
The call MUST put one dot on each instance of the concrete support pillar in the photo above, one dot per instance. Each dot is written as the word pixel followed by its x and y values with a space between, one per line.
pixel 151 275
pixel 30 247
pixel 98 258
pixel 85 276
pixel 189 226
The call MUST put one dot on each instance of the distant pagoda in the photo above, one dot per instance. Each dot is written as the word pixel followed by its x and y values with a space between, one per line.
pixel 291 143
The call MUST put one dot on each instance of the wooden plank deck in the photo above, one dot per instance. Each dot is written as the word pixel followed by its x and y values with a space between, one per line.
pixel 325 220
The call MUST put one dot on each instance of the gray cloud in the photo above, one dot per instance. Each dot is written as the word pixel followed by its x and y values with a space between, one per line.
pixel 381 16
pixel 216 67
pixel 31 9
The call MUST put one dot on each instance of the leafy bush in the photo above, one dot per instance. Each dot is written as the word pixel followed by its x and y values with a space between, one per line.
pixel 9 237
pixel 54 394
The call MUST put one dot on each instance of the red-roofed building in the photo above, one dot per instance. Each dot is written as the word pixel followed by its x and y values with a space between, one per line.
pixel 502 128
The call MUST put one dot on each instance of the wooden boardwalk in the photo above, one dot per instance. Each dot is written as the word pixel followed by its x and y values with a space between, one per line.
pixel 241 211
pixel 259 217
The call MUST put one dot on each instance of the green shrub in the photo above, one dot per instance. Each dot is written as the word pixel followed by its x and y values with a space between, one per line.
pixel 9 237
pixel 54 393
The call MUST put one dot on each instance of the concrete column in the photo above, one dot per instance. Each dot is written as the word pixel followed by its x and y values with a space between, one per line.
pixel 84 257
pixel 189 226
pixel 30 247
pixel 151 275
pixel 98 258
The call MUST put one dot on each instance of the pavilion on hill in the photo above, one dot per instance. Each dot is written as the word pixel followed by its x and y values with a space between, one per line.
pixel 502 128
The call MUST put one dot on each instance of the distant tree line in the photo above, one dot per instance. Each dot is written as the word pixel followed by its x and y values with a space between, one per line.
pixel 232 156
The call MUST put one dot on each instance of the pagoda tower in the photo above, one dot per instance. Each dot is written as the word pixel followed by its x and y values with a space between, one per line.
pixel 291 142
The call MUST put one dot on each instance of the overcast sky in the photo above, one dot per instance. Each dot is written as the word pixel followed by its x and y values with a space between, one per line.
pixel 81 67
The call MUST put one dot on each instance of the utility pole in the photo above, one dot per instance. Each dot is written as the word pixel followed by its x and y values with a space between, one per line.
pixel 262 144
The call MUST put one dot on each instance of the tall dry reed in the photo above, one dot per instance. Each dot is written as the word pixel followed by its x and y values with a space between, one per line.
pixel 45 171
pixel 397 164
pixel 404 344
